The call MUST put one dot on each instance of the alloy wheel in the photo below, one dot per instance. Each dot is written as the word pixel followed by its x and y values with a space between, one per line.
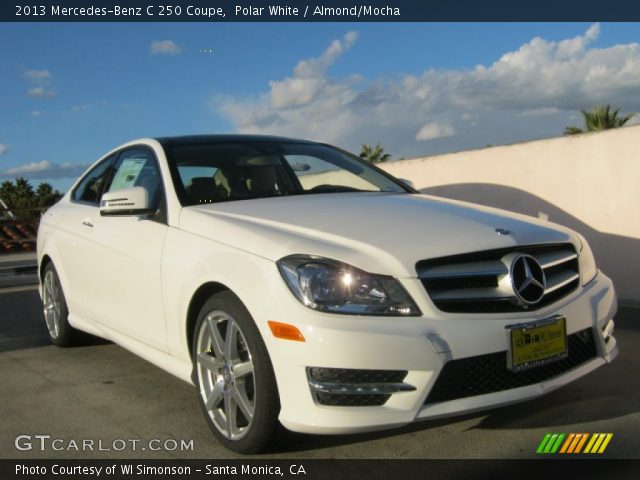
pixel 226 374
pixel 52 295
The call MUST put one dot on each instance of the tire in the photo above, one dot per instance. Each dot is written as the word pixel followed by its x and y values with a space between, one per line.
pixel 56 313
pixel 234 377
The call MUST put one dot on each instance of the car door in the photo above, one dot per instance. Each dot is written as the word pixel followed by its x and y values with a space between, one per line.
pixel 127 252
pixel 74 240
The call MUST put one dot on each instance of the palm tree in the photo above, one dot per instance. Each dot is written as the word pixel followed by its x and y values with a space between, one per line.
pixel 46 195
pixel 21 195
pixel 374 154
pixel 600 117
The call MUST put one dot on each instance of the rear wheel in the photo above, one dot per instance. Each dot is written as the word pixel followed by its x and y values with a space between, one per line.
pixel 234 376
pixel 56 313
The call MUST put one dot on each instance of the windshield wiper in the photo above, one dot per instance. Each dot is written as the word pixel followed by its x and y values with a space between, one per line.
pixel 326 188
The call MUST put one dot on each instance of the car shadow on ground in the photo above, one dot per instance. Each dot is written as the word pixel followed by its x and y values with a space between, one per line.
pixel 22 324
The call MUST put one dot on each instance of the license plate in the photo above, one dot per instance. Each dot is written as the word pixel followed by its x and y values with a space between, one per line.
pixel 537 343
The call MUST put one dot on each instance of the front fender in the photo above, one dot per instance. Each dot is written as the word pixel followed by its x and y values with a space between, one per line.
pixel 190 261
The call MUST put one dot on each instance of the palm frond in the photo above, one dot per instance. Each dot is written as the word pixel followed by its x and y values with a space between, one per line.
pixel 600 117
pixel 573 131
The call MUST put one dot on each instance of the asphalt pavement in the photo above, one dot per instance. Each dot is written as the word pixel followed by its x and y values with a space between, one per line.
pixel 125 407
pixel 18 269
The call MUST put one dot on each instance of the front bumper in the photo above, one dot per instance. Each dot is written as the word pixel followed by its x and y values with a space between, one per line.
pixel 421 346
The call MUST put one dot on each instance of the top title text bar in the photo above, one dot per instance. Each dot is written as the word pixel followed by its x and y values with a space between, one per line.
pixel 316 11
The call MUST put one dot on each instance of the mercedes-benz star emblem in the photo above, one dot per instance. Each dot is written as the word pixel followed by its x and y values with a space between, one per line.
pixel 528 280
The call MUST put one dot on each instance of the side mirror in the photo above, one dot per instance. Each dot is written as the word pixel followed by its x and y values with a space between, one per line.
pixel 408 183
pixel 126 202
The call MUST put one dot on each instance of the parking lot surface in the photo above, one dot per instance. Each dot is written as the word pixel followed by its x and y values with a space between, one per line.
pixel 102 394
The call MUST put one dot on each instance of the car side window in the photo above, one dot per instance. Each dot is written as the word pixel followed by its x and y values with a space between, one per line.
pixel 89 190
pixel 137 168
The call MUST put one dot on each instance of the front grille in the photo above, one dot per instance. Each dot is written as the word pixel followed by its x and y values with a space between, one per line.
pixel 348 387
pixel 480 282
pixel 468 377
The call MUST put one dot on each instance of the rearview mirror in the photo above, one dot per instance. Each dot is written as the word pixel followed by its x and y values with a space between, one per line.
pixel 407 182
pixel 126 202
pixel 300 167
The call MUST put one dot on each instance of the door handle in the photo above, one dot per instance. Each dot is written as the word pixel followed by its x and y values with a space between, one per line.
pixel 87 223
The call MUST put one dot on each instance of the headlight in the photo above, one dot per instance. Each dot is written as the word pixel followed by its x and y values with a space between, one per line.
pixel 331 286
pixel 587 262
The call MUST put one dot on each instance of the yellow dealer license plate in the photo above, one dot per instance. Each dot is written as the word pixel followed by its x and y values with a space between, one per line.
pixel 537 343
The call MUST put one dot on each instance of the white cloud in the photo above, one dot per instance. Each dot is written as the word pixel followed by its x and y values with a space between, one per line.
pixel 165 47
pixel 309 77
pixel 526 93
pixel 38 76
pixel 30 167
pixel 533 112
pixel 3 149
pixel 41 92
pixel 44 169
pixel 433 130
pixel 40 79
pixel 37 113
pixel 87 106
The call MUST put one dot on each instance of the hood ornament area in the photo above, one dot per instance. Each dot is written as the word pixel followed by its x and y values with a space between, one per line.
pixel 528 279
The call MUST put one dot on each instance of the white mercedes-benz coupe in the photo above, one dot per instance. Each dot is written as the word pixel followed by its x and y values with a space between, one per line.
pixel 296 284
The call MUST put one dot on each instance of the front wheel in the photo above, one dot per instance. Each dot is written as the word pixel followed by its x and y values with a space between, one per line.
pixel 234 376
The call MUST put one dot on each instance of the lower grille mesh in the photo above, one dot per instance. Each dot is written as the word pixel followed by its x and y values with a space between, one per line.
pixel 352 375
pixel 343 400
pixel 468 377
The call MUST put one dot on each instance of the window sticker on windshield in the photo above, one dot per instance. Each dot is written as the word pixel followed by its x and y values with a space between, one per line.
pixel 127 174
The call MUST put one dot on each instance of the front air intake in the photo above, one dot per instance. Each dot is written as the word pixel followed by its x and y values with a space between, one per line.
pixel 348 387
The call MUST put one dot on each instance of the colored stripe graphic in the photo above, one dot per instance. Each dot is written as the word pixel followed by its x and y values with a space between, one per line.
pixel 598 442
pixel 567 443
pixel 574 443
pixel 543 443
pixel 605 443
pixel 557 444
pixel 591 442
pixel 550 443
pixel 581 442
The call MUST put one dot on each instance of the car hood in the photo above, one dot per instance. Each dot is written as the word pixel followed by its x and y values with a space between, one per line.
pixel 378 232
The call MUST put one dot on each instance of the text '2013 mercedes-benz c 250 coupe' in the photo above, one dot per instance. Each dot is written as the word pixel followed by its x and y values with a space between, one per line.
pixel 298 285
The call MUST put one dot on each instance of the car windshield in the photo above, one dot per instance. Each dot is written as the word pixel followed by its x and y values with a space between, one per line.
pixel 219 172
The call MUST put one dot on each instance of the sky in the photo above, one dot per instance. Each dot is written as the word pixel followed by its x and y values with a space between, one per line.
pixel 71 92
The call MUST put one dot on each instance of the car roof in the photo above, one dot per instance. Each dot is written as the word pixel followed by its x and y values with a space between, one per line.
pixel 227 138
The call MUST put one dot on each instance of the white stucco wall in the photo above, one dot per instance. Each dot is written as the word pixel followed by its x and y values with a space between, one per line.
pixel 588 182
